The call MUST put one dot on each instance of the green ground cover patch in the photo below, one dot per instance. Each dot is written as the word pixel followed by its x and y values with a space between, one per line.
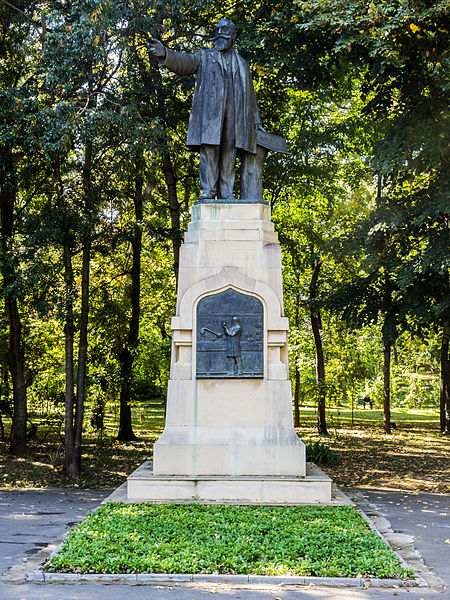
pixel 169 538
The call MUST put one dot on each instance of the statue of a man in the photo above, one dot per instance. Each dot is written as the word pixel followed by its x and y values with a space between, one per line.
pixel 233 334
pixel 224 118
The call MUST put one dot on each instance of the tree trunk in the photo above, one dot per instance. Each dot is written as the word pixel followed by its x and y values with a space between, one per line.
pixel 174 207
pixel 15 353
pixel 379 189
pixel 389 331
pixel 126 433
pixel 8 187
pixel 320 360
pixel 127 355
pixel 82 355
pixel 16 366
pixel 387 386
pixel 74 423
pixel 70 464
pixel 297 397
pixel 445 380
pixel 4 393
pixel 395 353
pixel 69 457
pixel 84 311
pixel 297 370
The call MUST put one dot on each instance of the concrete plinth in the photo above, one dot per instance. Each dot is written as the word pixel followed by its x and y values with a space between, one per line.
pixel 229 438
pixel 229 427
pixel 315 488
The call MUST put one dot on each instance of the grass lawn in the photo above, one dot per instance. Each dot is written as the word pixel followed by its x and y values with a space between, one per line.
pixel 301 540
pixel 415 457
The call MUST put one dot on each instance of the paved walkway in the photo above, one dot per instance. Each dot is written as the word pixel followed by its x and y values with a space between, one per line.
pixel 32 519
pixel 424 516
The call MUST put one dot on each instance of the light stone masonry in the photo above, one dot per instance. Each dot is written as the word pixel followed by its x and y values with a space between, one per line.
pixel 230 428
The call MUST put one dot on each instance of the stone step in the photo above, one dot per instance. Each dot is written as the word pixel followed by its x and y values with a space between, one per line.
pixel 314 488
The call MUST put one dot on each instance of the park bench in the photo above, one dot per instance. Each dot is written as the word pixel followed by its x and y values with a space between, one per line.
pixel 365 401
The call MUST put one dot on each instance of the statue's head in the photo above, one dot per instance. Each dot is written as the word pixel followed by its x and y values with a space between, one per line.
pixel 224 35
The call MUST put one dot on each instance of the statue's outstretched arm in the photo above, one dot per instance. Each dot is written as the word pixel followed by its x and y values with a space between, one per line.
pixel 182 63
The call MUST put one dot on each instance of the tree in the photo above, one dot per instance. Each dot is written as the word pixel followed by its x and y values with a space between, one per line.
pixel 82 56
pixel 315 193
pixel 16 26
pixel 404 49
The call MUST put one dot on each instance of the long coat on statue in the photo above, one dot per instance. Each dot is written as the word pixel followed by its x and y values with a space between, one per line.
pixel 208 106
pixel 233 334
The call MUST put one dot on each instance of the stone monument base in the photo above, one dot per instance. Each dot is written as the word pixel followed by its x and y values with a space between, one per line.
pixel 229 434
pixel 144 486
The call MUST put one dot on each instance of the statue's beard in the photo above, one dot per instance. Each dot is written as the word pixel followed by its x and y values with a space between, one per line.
pixel 222 43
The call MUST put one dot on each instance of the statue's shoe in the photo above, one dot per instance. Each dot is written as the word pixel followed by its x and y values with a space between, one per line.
pixel 205 195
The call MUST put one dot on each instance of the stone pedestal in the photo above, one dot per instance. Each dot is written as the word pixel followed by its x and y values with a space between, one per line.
pixel 233 430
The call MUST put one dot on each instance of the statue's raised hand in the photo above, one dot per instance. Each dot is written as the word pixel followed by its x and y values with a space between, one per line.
pixel 157 49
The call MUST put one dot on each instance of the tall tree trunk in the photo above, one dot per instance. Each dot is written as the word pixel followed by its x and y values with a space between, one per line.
pixel 74 423
pixel 127 355
pixel 320 360
pixel 387 386
pixel 4 393
pixel 445 380
pixel 16 367
pixel 379 188
pixel 297 370
pixel 82 354
pixel 70 464
pixel 174 207
pixel 69 442
pixel 15 354
pixel 84 311
pixel 297 397
pixel 389 331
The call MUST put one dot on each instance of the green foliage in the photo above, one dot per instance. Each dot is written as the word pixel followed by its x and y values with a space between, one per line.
pixel 405 51
pixel 417 391
pixel 323 541
pixel 321 454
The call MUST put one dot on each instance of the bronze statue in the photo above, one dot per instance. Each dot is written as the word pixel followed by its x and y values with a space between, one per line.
pixel 224 118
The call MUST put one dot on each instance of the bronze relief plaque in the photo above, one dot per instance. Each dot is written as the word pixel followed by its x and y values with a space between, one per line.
pixel 230 336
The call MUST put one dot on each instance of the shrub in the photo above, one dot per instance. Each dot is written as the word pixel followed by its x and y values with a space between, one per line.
pixel 321 454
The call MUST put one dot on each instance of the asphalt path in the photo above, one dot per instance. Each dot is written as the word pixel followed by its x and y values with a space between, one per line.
pixel 33 519
pixel 424 516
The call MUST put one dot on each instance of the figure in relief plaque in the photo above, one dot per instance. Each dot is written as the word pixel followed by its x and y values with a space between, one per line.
pixel 233 334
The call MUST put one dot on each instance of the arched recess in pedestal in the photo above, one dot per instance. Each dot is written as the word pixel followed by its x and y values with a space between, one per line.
pixel 231 278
